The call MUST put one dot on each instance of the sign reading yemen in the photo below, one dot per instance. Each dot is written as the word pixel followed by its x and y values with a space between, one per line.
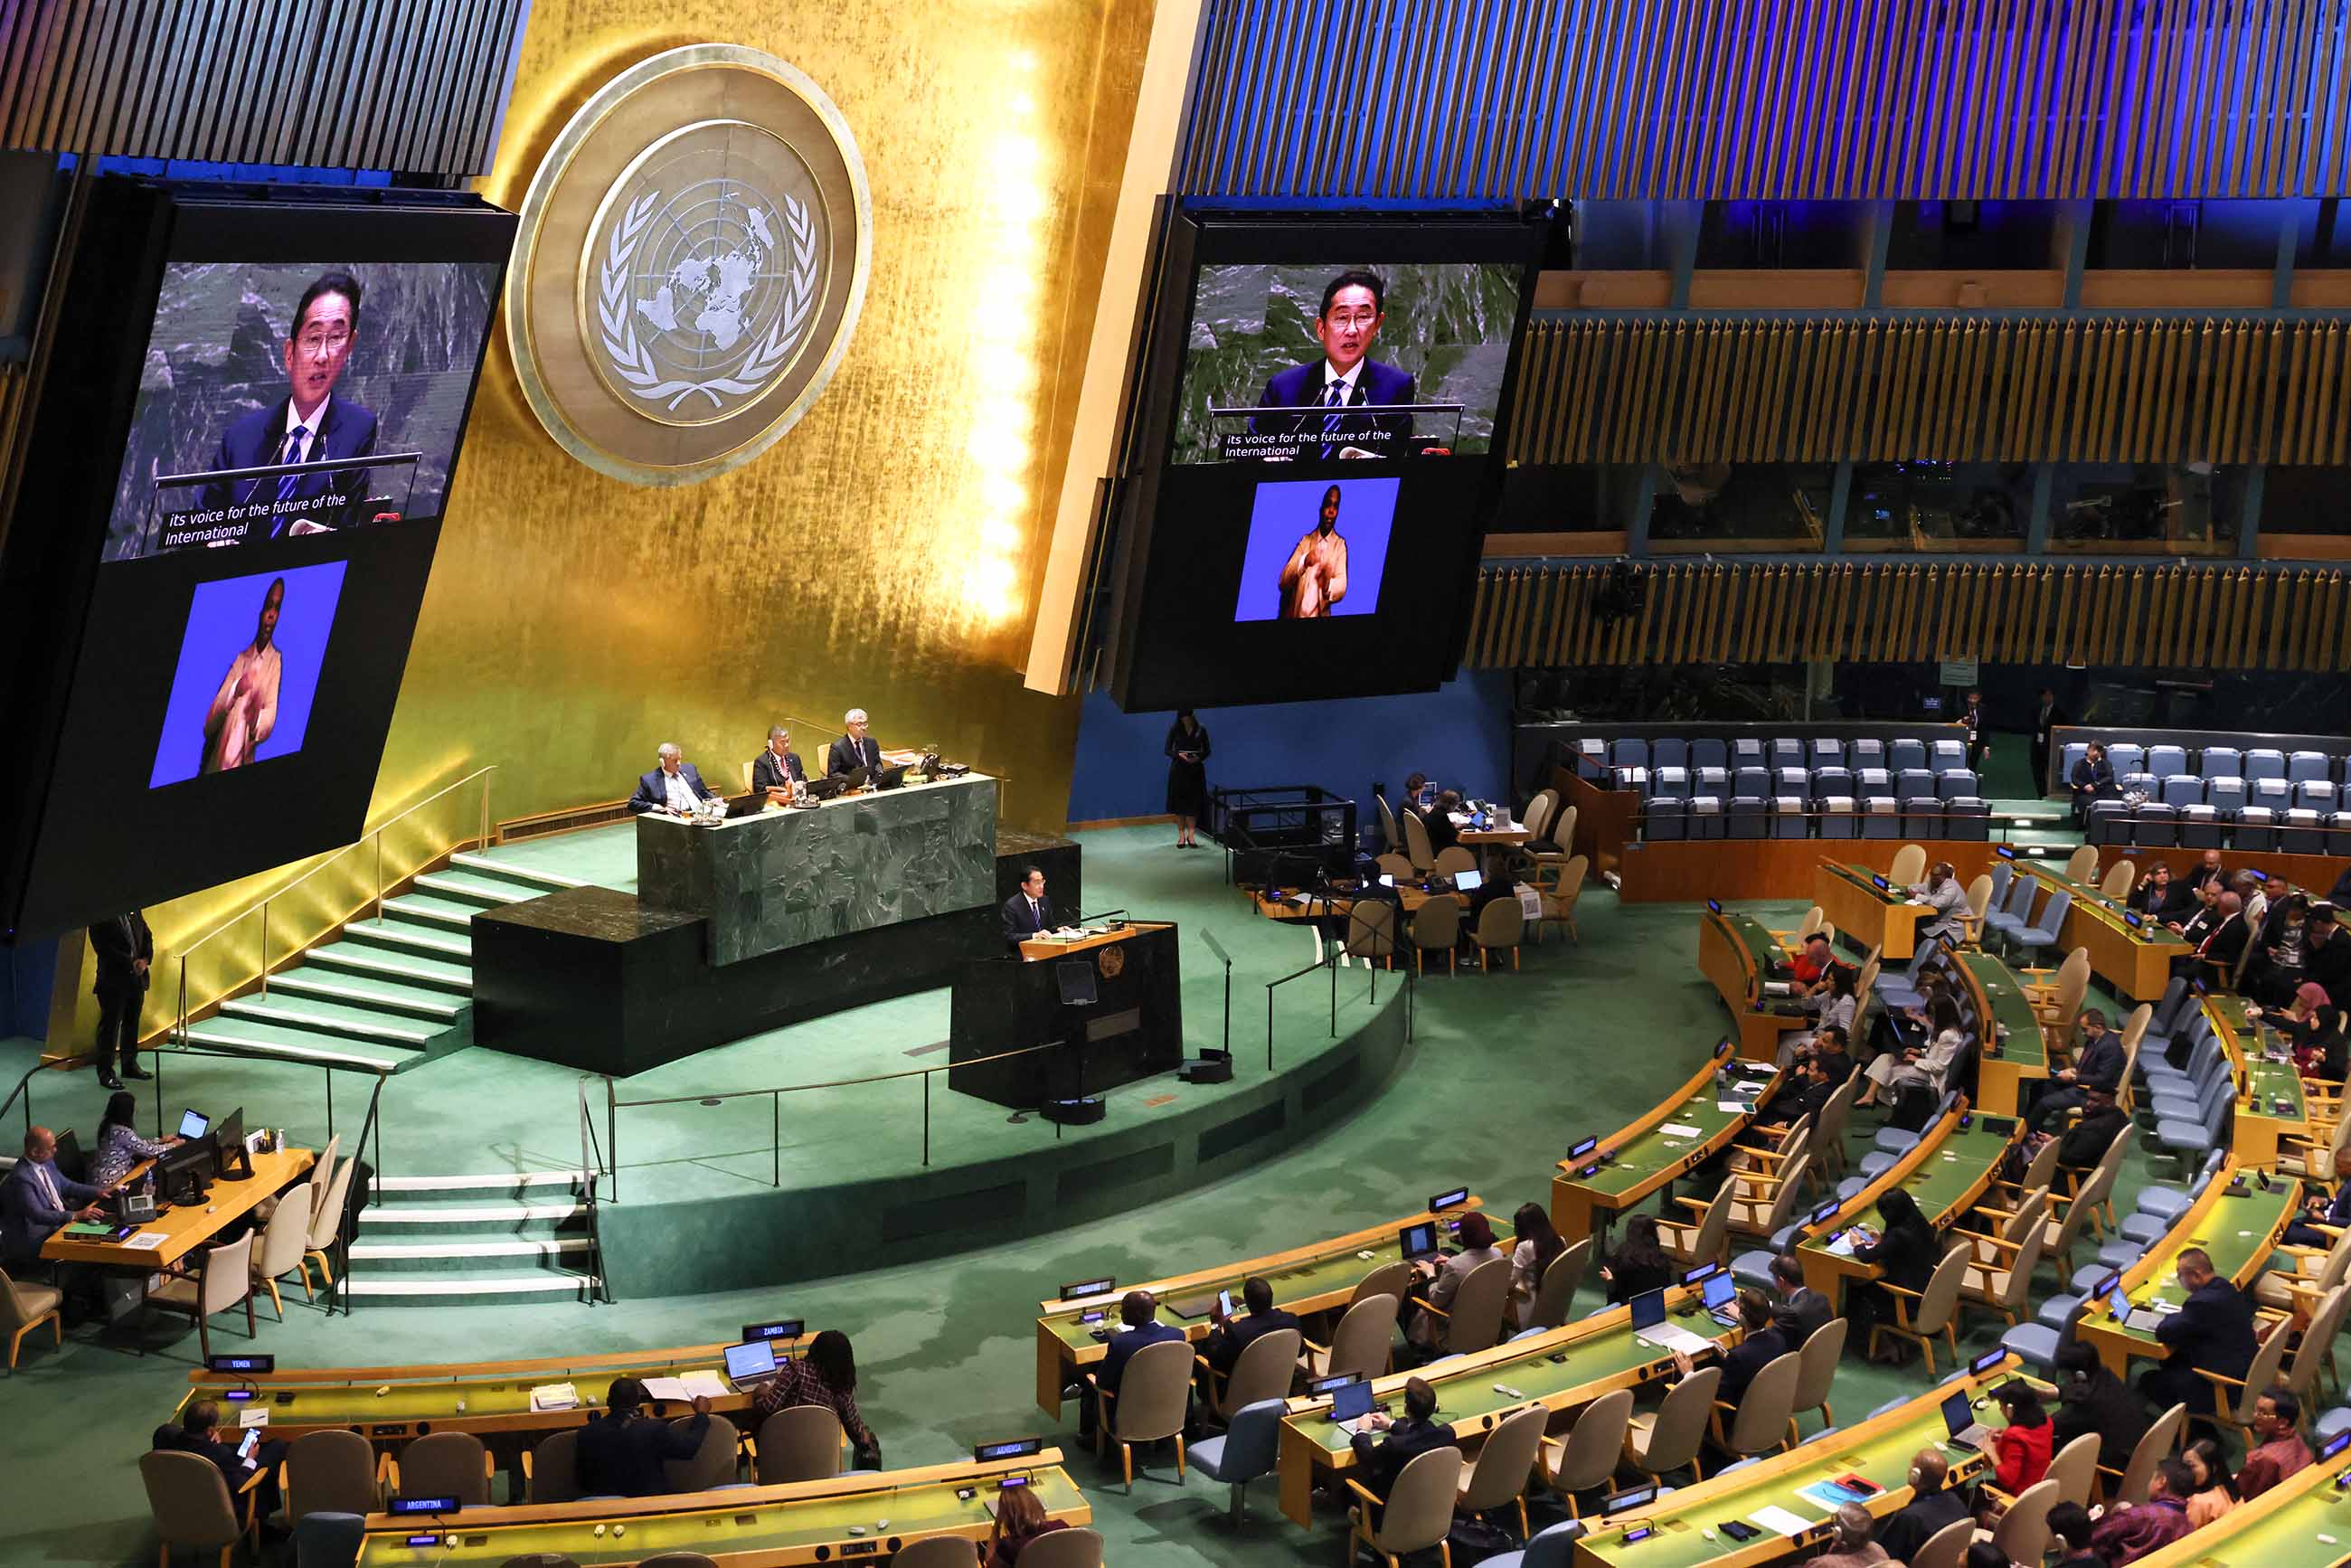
pixel 692 260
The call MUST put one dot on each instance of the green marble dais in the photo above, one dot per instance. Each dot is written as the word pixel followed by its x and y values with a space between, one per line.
pixel 780 879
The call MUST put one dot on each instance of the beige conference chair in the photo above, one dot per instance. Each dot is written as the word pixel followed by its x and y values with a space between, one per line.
pixel 1920 1315
pixel 1761 1421
pixel 445 1464
pixel 2082 865
pixel 1417 847
pixel 24 1308
pixel 1556 1293
pixel 1505 1461
pixel 1153 1394
pixel 712 1465
pixel 798 1443
pixel 2022 1531
pixel 1391 839
pixel 1396 865
pixel 550 1471
pixel 1500 926
pixel 1672 1436
pixel 321 1177
pixel 1266 1368
pixel 1452 860
pixel 1371 930
pixel 1585 1459
pixel 678 1560
pixel 1078 1548
pixel 1436 928
pixel 223 1279
pixel 1472 1320
pixel 191 1506
pixel 1360 1344
pixel 283 1243
pixel 1978 900
pixel 937 1551
pixel 1705 1241
pixel 2120 879
pixel 1560 885
pixel 1417 1516
pixel 1390 1278
pixel 331 1471
pixel 2160 1438
pixel 1823 1349
pixel 1947 1547
pixel 1909 866
pixel 326 1221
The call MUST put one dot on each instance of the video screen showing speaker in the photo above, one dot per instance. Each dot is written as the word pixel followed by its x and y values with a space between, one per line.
pixel 284 399
pixel 1312 454
pixel 1353 359
pixel 241 484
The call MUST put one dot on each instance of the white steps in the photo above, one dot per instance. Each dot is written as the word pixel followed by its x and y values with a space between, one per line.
pixel 476 1183
pixel 490 865
pixel 567 1286
pixel 471 1213
pixel 460 1236
pixel 431 1251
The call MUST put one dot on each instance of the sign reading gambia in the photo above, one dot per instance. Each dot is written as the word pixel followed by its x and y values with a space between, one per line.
pixel 693 256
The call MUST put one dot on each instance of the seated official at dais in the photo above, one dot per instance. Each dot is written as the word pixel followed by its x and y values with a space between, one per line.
pixel 855 749
pixel 777 769
pixel 674 788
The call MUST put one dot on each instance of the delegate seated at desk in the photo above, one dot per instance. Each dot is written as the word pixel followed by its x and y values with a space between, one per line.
pixel 1402 1441
pixel 1028 913
pixel 775 770
pixel 2212 1331
pixel 674 788
pixel 201 1433
pixel 620 1453
pixel 38 1201
pixel 855 749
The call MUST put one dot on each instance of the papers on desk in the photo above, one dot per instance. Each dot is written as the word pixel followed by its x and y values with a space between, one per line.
pixel 685 1389
pixel 1673 1336
pixel 1842 1245
pixel 1777 989
pixel 1831 1496
pixel 147 1242
pixel 1682 1130
pixel 555 1397
pixel 253 1416
pixel 1782 1521
pixel 1735 1107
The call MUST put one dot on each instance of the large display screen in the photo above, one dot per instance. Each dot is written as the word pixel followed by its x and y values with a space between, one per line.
pixel 283 399
pixel 1313 455
pixel 240 497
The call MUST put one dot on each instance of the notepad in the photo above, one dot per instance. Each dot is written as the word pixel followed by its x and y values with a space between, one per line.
pixel 147 1242
pixel 1673 1336
pixel 555 1397
pixel 1735 1107
pixel 1682 1130
pixel 88 1227
pixel 253 1416
pixel 1781 1520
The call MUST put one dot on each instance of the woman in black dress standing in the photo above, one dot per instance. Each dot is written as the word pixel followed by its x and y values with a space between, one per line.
pixel 1188 775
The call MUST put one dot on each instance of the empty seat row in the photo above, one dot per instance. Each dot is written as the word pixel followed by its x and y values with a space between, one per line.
pixel 2230 794
pixel 2214 762
pixel 1669 818
pixel 1810 784
pixel 2298 830
pixel 1597 759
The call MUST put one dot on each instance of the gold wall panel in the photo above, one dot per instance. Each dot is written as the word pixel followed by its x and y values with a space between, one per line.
pixel 885 552
pixel 2010 611
pixel 2083 389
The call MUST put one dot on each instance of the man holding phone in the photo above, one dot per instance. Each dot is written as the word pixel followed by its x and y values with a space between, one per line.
pixel 1231 1335
pixel 240 1457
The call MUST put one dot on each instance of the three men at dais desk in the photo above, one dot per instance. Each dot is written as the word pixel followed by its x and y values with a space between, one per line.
pixel 676 787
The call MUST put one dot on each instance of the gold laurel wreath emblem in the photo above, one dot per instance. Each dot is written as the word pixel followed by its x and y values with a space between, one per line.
pixel 1111 960
pixel 633 361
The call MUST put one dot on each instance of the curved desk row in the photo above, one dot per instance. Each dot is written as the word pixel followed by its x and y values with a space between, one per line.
pixel 2014 1052
pixel 837 1519
pixel 2304 1521
pixel 2271 1103
pixel 1947 1172
pixel 2134 960
pixel 2238 1227
pixel 1689 1127
pixel 1561 1369
pixel 1865 906
pixel 1318 1277
pixel 1741 956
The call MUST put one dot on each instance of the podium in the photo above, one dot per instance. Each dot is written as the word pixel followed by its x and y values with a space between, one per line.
pixel 1133 1029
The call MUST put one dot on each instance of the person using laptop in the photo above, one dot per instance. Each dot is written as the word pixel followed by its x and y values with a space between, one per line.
pixel 1442 1278
pixel 1229 1336
pixel 2212 1331
pixel 620 1453
pixel 855 749
pixel 1400 1441
pixel 2019 1449
pixel 1768 1339
pixel 826 1375
pixel 1931 1508
pixel 120 1146
pixel 1807 1310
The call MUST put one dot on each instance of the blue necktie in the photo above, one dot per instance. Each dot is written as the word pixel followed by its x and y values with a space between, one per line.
pixel 287 483
pixel 1336 397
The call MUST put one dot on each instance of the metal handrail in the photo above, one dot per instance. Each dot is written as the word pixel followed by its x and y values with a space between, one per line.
pixel 613 1104
pixel 590 1163
pixel 375 835
pixel 22 1088
pixel 342 1287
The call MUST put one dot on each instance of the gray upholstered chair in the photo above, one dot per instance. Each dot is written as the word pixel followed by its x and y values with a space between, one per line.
pixel 445 1464
pixel 1249 1447
pixel 798 1443
pixel 712 1465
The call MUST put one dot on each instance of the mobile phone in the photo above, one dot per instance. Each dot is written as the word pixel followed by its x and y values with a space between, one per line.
pixel 1738 1529
pixel 252 1441
pixel 1224 1302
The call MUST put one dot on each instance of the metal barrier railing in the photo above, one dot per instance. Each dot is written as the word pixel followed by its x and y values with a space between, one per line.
pixel 480 838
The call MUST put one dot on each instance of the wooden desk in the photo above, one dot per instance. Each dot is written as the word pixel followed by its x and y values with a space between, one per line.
pixel 2133 964
pixel 742 1527
pixel 1738 954
pixel 1647 1157
pixel 2024 1052
pixel 1034 948
pixel 1879 1448
pixel 1883 918
pixel 1318 1277
pixel 1945 1173
pixel 2271 1101
pixel 2238 1230
pixel 1601 1357
pixel 186 1228
pixel 1340 906
pixel 488 1398
pixel 1493 846
pixel 2304 1521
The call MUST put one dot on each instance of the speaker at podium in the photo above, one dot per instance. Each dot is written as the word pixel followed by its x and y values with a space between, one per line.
pixel 1112 995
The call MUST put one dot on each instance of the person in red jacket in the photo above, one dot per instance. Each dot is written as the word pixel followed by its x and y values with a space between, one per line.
pixel 2020 1451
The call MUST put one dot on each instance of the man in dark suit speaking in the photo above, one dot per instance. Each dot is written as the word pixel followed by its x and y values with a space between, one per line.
pixel 1354 305
pixel 674 789
pixel 1028 911
pixel 309 424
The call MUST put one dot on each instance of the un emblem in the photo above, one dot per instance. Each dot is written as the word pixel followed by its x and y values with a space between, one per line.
pixel 693 256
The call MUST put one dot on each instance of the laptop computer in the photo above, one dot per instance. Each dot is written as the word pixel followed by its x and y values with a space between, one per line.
pixel 825 789
pixel 750 1365
pixel 1351 1406
pixel 2143 1319
pixel 1719 1291
pixel 1418 1242
pixel 1469 881
pixel 1650 1326
pixel 890 777
pixel 1959 1421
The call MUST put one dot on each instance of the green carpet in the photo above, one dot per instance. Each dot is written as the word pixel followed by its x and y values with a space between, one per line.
pixel 1506 1070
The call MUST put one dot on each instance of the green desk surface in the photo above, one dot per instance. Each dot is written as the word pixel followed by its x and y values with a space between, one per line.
pixel 2108 911
pixel 2004 992
pixel 2237 1232
pixel 1882 1455
pixel 750 1526
pixel 1464 1397
pixel 426 1399
pixel 1757 938
pixel 1946 1175
pixel 2311 1530
pixel 1657 1150
pixel 1335 1272
pixel 2270 1082
pixel 1867 878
